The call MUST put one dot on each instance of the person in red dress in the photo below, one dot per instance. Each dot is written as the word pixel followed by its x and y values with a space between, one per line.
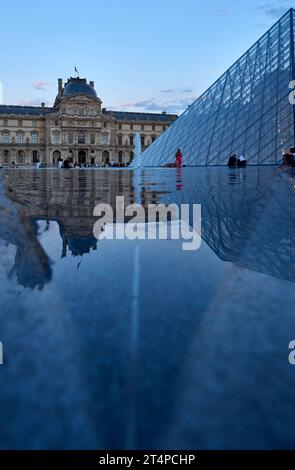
pixel 178 158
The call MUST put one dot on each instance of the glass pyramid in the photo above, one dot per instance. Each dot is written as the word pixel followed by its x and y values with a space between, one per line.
pixel 246 111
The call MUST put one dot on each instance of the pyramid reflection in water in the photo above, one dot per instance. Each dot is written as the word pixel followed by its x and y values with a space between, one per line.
pixel 247 214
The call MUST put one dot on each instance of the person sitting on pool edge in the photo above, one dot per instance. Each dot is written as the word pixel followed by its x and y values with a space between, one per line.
pixel 232 161
pixel 178 159
pixel 289 157
pixel 242 162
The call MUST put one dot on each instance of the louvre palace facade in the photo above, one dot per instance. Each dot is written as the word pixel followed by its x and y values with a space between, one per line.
pixel 76 128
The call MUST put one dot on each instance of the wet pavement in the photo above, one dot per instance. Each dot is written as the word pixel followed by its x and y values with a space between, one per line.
pixel 139 344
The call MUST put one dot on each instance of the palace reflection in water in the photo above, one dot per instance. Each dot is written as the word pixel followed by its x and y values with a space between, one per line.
pixel 138 344
pixel 247 215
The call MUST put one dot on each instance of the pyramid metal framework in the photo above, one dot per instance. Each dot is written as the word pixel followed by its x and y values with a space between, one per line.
pixel 246 111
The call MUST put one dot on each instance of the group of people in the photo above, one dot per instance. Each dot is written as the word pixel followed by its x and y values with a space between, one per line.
pixel 288 159
pixel 69 164
pixel 235 161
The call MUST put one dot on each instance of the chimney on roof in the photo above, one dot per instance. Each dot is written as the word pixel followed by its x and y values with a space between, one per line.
pixel 59 86
pixel 91 83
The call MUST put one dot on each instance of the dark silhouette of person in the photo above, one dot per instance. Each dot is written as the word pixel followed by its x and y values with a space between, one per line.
pixel 232 161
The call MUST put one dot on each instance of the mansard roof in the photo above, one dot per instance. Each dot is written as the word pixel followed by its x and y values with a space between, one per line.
pixel 135 116
pixel 15 110
pixel 25 110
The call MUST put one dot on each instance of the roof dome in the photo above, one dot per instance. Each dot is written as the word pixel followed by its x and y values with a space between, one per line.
pixel 79 86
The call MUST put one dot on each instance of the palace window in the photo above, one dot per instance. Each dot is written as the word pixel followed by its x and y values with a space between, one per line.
pixel 153 138
pixel 92 138
pixel 20 138
pixel 142 127
pixel 120 126
pixel 131 127
pixel 34 138
pixel 55 137
pixel 56 123
pixel 81 137
pixel 120 139
pixel 5 122
pixel 164 128
pixel 5 137
pixel 19 122
pixel 142 138
pixel 105 124
pixel 70 138
pixel 104 139
pixel 34 123
pixel 131 139
pixel 153 126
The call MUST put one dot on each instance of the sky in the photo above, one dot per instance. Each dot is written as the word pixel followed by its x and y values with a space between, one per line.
pixel 151 56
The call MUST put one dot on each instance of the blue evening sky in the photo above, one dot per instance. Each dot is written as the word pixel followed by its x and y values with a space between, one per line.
pixel 143 55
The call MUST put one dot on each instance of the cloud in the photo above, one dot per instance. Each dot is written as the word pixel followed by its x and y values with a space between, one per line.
pixel 273 11
pixel 41 85
pixel 187 90
pixel 153 105
pixel 170 90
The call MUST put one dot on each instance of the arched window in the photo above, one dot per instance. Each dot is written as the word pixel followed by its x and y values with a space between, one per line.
pixel 20 156
pixel 35 156
pixel 105 156
pixel 82 157
pixel 6 156
pixel 121 157
pixel 56 155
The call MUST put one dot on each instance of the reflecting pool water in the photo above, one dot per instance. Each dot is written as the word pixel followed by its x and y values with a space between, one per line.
pixel 139 344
